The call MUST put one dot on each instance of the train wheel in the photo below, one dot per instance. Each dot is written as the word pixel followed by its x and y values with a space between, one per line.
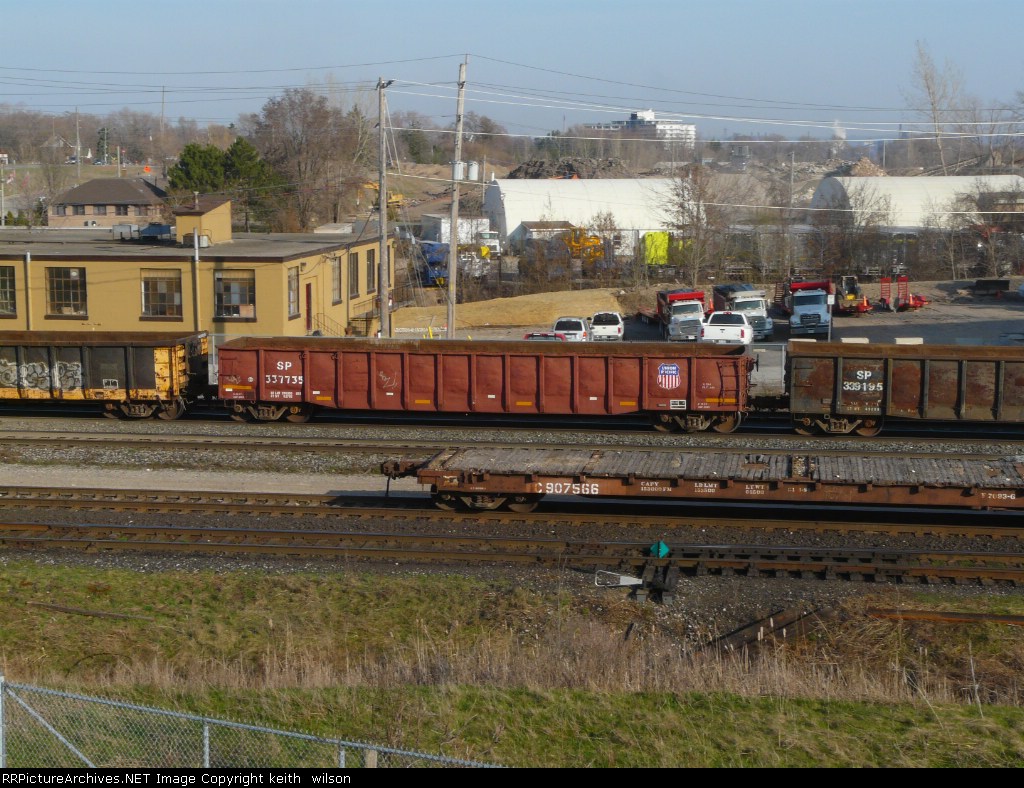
pixel 242 417
pixel 170 412
pixel 300 416
pixel 804 426
pixel 869 428
pixel 523 503
pixel 445 501
pixel 728 423
pixel 663 422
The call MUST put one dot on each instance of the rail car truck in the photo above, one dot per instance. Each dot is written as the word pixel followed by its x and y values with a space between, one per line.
pixel 808 305
pixel 680 312
pixel 750 301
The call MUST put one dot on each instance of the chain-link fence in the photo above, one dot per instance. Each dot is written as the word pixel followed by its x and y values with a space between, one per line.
pixel 44 728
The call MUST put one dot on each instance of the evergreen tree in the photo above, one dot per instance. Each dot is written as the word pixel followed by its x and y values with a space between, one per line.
pixel 200 168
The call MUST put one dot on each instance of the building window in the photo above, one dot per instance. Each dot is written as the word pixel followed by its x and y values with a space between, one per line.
pixel 353 275
pixel 293 292
pixel 60 210
pixel 161 293
pixel 371 270
pixel 99 210
pixel 336 280
pixel 78 210
pixel 121 210
pixel 235 294
pixel 7 303
pixel 65 291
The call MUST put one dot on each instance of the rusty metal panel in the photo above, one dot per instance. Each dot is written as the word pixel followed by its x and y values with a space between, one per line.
pixel 354 379
pixel 421 382
pixel 667 383
pixel 811 384
pixel 237 373
pixel 1011 400
pixel 488 381
pixel 389 381
pixel 626 381
pixel 321 379
pixel 861 388
pixel 281 376
pixel 591 385
pixel 453 386
pixel 527 382
pixel 555 393
pixel 980 389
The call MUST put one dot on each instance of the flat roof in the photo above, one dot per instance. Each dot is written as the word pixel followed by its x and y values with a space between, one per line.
pixel 98 243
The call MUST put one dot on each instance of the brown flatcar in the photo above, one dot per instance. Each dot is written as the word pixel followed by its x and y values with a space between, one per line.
pixel 134 375
pixel 694 387
pixel 517 479
pixel 842 388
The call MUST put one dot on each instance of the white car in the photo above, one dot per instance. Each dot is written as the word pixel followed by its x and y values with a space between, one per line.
pixel 575 329
pixel 607 326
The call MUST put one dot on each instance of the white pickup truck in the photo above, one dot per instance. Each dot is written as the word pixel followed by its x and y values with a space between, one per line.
pixel 727 328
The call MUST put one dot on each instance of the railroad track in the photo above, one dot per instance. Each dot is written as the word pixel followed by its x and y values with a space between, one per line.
pixel 580 513
pixel 663 570
pixel 375 445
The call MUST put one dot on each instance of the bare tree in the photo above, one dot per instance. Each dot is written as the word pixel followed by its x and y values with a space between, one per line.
pixel 314 147
pixel 698 213
pixel 936 94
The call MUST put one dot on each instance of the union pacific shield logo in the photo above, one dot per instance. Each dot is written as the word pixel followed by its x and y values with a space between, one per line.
pixel 668 376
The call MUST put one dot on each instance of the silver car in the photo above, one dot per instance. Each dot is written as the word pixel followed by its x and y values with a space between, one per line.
pixel 575 329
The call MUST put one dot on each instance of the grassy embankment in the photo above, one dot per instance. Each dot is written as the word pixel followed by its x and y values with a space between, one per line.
pixel 514 676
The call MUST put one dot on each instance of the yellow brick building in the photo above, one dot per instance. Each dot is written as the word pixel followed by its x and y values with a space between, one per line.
pixel 194 276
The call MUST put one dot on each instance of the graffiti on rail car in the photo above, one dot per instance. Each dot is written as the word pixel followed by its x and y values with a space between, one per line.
pixel 40 376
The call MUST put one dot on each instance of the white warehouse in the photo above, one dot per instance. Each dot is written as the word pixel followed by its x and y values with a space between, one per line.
pixel 635 205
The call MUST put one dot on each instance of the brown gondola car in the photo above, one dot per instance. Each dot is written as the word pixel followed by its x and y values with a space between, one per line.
pixel 517 479
pixel 134 375
pixel 691 387
pixel 841 388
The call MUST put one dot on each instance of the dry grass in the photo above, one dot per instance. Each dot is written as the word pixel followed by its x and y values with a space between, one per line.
pixel 539 309
pixel 503 673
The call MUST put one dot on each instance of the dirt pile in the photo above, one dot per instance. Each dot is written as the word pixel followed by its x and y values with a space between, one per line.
pixel 572 167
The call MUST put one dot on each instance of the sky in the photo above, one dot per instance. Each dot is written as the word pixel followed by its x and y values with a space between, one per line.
pixel 789 67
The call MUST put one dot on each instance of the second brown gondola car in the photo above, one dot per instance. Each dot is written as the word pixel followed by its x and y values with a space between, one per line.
pixel 842 388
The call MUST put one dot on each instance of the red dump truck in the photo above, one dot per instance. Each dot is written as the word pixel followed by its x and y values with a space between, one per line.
pixel 681 314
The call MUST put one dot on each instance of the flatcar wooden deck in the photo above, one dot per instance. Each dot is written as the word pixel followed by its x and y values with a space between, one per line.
pixel 528 474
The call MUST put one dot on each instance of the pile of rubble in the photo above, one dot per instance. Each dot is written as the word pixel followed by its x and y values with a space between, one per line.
pixel 572 167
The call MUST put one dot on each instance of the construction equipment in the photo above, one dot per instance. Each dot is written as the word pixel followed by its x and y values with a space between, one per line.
pixel 394 200
pixel 584 247
pixel 850 300
pixel 904 298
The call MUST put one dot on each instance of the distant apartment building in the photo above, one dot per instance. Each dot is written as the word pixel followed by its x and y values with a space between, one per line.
pixel 645 124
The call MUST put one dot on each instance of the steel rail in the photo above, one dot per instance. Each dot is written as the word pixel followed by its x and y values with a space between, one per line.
pixel 415 507
pixel 853 564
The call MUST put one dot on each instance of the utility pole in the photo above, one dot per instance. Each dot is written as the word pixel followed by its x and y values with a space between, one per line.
pixel 78 147
pixel 453 241
pixel 383 280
